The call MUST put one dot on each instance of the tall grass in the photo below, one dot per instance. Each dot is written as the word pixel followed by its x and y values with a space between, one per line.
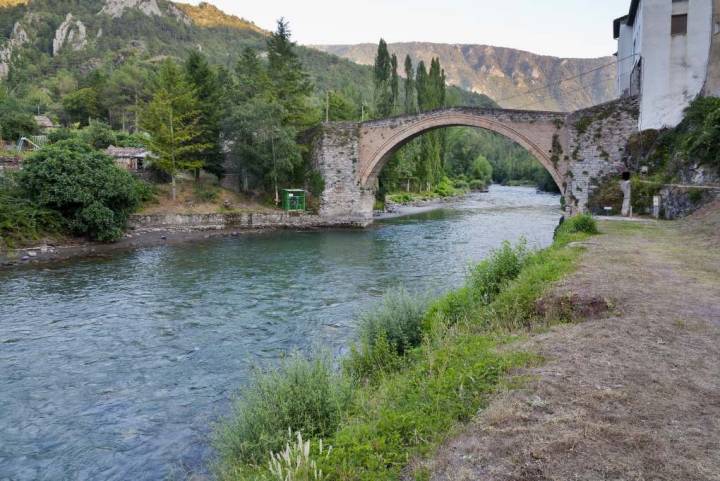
pixel 302 395
pixel 386 334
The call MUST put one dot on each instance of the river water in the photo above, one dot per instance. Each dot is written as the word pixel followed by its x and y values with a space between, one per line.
pixel 114 369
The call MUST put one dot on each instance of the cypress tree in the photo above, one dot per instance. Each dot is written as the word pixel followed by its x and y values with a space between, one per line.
pixel 410 97
pixel 394 83
pixel 383 72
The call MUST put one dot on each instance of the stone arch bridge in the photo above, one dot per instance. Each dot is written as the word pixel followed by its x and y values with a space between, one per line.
pixel 578 149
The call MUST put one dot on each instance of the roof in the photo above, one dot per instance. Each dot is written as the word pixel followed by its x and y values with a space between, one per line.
pixel 628 19
pixel 616 25
pixel 44 122
pixel 126 152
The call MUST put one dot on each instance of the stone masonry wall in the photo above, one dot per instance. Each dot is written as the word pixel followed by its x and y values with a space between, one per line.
pixel 209 222
pixel 344 201
pixel 596 147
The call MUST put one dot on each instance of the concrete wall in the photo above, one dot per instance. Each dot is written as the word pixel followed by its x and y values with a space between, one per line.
pixel 626 60
pixel 674 67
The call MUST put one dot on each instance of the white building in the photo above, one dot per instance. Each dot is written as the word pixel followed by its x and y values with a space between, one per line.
pixel 663 55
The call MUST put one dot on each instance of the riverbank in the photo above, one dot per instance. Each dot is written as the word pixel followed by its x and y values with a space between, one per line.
pixel 630 395
pixel 596 372
pixel 416 372
pixel 160 229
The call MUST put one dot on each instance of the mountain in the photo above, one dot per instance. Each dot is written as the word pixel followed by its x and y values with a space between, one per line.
pixel 505 74
pixel 42 41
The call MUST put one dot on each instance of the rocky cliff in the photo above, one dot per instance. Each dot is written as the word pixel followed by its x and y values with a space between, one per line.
pixel 505 74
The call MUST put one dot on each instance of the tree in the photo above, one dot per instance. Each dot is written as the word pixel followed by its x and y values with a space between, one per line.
pixel 383 75
pixel 262 147
pixel 394 83
pixel 410 95
pixel 205 83
pixel 290 83
pixel 93 195
pixel 172 118
pixel 15 121
pixel 482 170
pixel 81 106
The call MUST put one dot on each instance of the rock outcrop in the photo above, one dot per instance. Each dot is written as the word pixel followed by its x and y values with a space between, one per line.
pixel 18 38
pixel 506 75
pixel 116 8
pixel 70 34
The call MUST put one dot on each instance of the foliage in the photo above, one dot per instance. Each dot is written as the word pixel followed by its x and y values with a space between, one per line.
pixel 386 334
pixel 205 193
pixel 702 124
pixel 482 170
pixel 607 194
pixel 579 224
pixel 15 120
pixel 205 83
pixel 446 188
pixel 172 118
pixel 92 194
pixel 296 462
pixel 21 219
pixel 98 135
pixel 81 106
pixel 303 395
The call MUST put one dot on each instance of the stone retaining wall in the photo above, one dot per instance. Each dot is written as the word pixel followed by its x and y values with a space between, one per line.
pixel 195 222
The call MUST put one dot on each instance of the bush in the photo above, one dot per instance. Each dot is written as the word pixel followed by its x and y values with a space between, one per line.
pixel 22 220
pixel 98 135
pixel 478 185
pixel 301 395
pixel 461 184
pixel 84 186
pixel 493 274
pixel 387 333
pixel 583 223
pixel 445 188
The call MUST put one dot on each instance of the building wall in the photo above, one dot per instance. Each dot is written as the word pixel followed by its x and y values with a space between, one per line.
pixel 626 60
pixel 712 83
pixel 674 68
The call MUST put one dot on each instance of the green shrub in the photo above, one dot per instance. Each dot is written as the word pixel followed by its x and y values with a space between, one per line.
pixel 387 333
pixel 461 184
pixel 301 395
pixel 84 186
pixel 445 188
pixel 478 185
pixel 22 220
pixel 583 223
pixel 492 275
pixel 98 135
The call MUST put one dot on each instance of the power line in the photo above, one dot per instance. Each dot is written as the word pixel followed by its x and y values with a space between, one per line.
pixel 561 81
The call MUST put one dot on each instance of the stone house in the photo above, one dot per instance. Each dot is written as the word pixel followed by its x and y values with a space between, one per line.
pixel 664 55
pixel 132 159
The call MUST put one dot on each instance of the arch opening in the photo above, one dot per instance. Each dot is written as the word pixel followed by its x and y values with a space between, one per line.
pixel 379 155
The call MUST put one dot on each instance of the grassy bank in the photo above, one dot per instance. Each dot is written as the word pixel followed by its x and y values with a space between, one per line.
pixel 415 373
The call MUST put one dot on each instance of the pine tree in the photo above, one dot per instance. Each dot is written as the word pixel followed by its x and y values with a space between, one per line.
pixel 290 83
pixel 204 81
pixel 172 118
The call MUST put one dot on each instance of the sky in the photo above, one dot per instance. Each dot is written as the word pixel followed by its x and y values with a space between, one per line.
pixel 562 28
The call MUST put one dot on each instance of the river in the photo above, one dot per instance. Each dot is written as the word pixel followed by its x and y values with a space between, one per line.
pixel 115 369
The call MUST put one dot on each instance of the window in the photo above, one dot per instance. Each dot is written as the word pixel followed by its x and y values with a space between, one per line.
pixel 679 25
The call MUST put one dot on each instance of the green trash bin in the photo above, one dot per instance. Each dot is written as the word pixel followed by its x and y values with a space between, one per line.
pixel 293 200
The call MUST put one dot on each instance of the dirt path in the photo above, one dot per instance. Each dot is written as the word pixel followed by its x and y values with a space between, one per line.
pixel 632 396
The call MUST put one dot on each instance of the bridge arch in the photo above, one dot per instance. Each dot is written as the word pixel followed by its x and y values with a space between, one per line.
pixel 379 141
